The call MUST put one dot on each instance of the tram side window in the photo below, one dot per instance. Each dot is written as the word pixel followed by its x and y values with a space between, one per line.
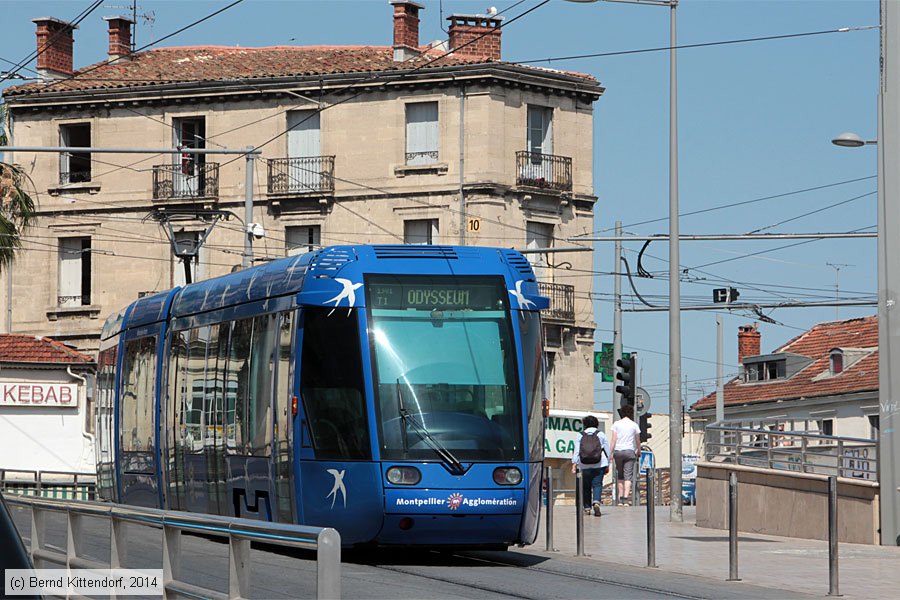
pixel 532 359
pixel 193 419
pixel 250 374
pixel 262 372
pixel 106 383
pixel 138 386
pixel 332 385
pixel 239 378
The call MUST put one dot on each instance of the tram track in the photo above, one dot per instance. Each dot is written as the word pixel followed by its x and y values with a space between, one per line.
pixel 462 568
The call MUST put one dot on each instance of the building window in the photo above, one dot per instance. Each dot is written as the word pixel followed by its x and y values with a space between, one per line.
pixel 301 239
pixel 837 361
pixel 539 236
pixel 188 242
pixel 765 370
pixel 421 133
pixel 420 231
pixel 304 170
pixel 540 130
pixel 74 271
pixel 874 426
pixel 188 172
pixel 826 426
pixel 75 167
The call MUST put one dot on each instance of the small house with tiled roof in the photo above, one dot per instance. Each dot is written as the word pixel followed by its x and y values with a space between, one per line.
pixel 824 380
pixel 405 142
pixel 46 416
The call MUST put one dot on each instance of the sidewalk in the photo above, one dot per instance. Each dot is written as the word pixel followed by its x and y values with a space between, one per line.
pixel 794 564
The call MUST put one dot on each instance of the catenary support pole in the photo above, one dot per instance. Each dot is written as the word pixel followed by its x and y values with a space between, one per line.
pixel 675 400
pixel 617 346
pixel 720 379
pixel 247 259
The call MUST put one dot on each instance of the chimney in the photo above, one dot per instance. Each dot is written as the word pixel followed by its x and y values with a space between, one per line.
pixel 748 341
pixel 54 46
pixel 475 36
pixel 406 29
pixel 119 37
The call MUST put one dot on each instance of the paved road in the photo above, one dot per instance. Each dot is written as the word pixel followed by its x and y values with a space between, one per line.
pixel 396 575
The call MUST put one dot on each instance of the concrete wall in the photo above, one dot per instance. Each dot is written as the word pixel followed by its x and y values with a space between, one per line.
pixel 789 504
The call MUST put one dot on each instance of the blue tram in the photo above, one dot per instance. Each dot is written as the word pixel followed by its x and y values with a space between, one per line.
pixel 392 392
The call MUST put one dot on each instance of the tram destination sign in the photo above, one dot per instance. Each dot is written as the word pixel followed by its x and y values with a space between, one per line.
pixel 39 394
pixel 431 295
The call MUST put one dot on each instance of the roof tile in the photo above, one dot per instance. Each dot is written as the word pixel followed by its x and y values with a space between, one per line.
pixel 216 63
pixel 18 348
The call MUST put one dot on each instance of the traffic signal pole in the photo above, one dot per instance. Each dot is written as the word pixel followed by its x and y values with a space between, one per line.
pixel 617 316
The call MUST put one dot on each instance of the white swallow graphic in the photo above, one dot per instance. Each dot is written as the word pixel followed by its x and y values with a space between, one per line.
pixel 349 292
pixel 523 301
pixel 338 485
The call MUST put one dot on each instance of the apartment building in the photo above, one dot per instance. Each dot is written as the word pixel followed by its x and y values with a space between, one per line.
pixel 404 143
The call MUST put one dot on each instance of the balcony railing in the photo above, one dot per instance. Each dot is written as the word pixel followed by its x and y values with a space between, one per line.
pixel 562 300
pixel 545 171
pixel 301 175
pixel 187 180
pixel 65 301
pixel 66 177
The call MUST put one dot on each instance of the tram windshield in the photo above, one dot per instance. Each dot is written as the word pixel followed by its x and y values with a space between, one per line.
pixel 445 368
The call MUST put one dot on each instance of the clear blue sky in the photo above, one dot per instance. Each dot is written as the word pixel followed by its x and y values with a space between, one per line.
pixel 755 120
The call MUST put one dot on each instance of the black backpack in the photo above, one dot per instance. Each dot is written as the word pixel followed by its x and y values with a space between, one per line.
pixel 591 450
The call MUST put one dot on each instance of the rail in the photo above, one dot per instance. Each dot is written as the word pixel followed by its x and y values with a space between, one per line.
pixel 562 300
pixel 545 171
pixel 66 485
pixel 798 451
pixel 187 180
pixel 301 175
pixel 240 533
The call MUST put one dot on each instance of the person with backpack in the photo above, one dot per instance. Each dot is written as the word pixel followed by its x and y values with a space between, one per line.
pixel 591 455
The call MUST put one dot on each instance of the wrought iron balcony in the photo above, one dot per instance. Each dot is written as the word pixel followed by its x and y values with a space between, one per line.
pixel 186 180
pixel 562 300
pixel 73 300
pixel 544 171
pixel 66 177
pixel 301 175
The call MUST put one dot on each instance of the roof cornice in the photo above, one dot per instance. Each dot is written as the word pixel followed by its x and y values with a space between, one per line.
pixel 507 74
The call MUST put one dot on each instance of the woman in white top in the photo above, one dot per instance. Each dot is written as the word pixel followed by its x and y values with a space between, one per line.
pixel 625 442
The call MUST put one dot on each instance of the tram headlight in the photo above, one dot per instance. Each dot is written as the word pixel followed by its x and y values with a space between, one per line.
pixel 507 476
pixel 404 475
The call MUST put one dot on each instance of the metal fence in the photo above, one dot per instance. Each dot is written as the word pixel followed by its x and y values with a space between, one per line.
pixel 769 447
pixel 546 171
pixel 239 532
pixel 64 485
pixel 301 175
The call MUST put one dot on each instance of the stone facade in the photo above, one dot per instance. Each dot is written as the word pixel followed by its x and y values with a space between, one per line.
pixel 375 192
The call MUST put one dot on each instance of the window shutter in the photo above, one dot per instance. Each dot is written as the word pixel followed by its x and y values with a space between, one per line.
pixel 421 133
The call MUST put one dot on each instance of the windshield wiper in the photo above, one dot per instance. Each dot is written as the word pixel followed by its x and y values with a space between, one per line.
pixel 452 463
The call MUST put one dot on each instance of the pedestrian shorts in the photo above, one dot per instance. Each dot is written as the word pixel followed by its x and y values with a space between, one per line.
pixel 625 460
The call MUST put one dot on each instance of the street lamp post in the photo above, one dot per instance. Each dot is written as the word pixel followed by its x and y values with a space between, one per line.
pixel 888 142
pixel 675 400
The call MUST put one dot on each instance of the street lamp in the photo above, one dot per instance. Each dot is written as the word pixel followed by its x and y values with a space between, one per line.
pixel 851 140
pixel 675 400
